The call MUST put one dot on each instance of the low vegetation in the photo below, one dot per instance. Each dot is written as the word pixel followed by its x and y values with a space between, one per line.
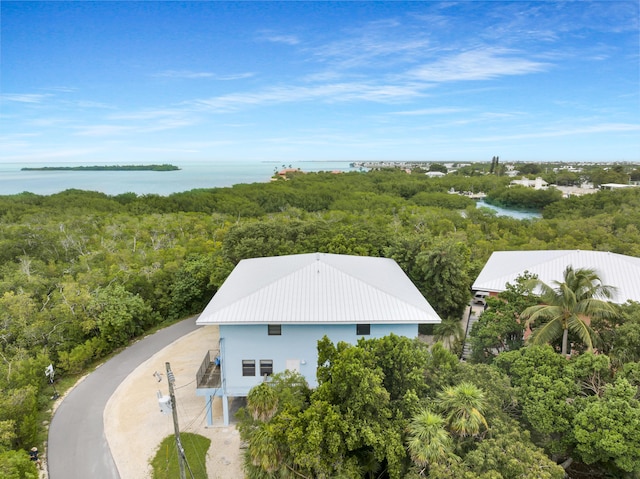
pixel 83 273
pixel 165 464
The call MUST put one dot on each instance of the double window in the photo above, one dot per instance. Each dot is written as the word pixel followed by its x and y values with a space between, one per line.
pixel 249 367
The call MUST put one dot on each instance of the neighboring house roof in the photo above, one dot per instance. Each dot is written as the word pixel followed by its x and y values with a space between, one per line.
pixel 538 183
pixel 318 288
pixel 620 271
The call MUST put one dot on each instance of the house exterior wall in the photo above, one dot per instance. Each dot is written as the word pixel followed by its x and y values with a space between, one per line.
pixel 297 343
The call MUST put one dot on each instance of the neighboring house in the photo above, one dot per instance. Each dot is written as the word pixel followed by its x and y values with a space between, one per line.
pixel 537 184
pixel 615 186
pixel 620 271
pixel 272 311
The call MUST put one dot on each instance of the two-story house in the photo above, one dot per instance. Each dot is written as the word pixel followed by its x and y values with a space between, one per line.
pixel 272 311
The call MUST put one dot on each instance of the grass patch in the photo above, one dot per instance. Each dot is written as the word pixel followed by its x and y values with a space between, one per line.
pixel 165 462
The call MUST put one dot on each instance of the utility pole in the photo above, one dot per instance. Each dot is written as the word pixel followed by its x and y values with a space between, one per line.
pixel 171 380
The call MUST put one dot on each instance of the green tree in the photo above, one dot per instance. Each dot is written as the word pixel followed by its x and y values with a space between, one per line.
pixel 546 395
pixel 450 333
pixel 119 314
pixel 463 406
pixel 621 334
pixel 444 276
pixel 262 402
pixel 499 327
pixel 190 291
pixel 17 465
pixel 429 442
pixel 512 455
pixel 570 306
pixel 607 430
pixel 402 361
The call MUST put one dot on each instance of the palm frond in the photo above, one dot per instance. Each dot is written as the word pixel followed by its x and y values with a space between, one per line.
pixel 580 328
pixel 547 333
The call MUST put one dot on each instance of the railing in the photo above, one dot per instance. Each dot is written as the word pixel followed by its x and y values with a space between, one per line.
pixel 208 376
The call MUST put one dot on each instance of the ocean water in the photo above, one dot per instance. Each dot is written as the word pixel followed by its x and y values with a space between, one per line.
pixel 192 175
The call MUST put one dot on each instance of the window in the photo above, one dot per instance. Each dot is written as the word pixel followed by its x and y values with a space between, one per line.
pixel 363 329
pixel 266 367
pixel 274 329
pixel 248 367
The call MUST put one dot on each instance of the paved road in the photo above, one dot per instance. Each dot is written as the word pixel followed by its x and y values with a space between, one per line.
pixel 77 445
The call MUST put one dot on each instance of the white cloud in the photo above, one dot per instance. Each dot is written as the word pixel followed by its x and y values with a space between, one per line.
pixel 279 38
pixel 331 93
pixel 103 130
pixel 194 75
pixel 430 111
pixel 585 130
pixel 477 64
pixel 371 50
pixel 143 126
pixel 45 154
pixel 25 97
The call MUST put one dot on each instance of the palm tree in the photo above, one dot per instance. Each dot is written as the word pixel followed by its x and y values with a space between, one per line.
pixel 449 332
pixel 262 402
pixel 570 306
pixel 463 406
pixel 429 442
pixel 263 450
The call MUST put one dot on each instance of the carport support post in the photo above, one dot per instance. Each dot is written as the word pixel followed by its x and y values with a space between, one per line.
pixel 209 410
pixel 171 379
pixel 225 409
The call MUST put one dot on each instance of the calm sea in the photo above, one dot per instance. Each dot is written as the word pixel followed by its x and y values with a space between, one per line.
pixel 191 175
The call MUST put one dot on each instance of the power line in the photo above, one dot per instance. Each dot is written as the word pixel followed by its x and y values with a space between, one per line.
pixel 181 458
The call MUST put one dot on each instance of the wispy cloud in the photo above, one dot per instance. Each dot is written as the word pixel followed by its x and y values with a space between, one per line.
pixel 25 97
pixel 103 130
pixel 134 122
pixel 184 74
pixel 330 93
pixel 45 154
pixel 270 36
pixel 585 130
pixel 194 75
pixel 106 130
pixel 430 111
pixel 477 64
pixel 372 48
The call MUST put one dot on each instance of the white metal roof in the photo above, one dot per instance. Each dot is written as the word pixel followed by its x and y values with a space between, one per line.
pixel 318 288
pixel 620 271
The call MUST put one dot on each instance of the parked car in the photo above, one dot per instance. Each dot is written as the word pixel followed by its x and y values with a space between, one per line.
pixel 480 297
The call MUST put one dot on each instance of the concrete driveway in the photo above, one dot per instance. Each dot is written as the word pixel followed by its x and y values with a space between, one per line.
pixel 77 447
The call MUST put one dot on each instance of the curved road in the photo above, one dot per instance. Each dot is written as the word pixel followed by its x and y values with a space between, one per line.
pixel 77 446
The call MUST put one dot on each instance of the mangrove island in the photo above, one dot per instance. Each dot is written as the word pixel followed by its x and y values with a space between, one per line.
pixel 163 167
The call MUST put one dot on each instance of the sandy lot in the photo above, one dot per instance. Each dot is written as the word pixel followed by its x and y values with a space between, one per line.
pixel 134 425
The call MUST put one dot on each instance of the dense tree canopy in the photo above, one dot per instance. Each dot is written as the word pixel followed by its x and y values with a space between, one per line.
pixel 82 273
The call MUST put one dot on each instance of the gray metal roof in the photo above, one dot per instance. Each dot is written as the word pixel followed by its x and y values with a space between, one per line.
pixel 620 271
pixel 318 288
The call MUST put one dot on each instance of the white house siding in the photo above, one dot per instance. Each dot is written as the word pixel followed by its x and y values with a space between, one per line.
pixel 297 342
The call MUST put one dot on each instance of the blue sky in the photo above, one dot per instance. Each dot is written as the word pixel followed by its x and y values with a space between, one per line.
pixel 148 82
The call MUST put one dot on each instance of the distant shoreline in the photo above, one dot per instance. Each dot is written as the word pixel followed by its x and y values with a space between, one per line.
pixel 163 167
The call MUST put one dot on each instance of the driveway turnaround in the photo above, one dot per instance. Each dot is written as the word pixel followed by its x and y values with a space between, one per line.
pixel 77 447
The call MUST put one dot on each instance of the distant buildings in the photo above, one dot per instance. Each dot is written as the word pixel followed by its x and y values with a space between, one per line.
pixel 537 184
